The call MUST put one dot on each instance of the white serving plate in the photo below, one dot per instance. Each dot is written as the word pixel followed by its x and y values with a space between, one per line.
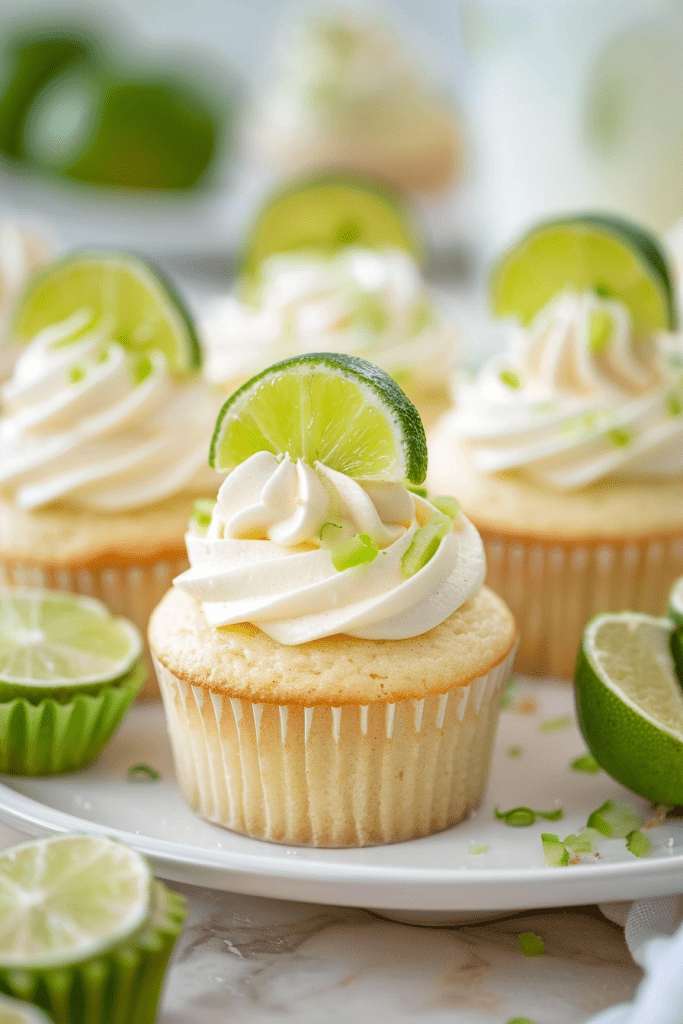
pixel 427 881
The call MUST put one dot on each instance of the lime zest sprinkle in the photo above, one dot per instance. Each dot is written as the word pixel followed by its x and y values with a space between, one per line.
pixel 673 404
pixel 514 751
pixel 614 819
pixel 584 841
pixel 75 374
pixel 202 510
pixel 447 505
pixel 509 693
pixel 637 843
pixel 520 1020
pixel 600 330
pixel 510 378
pixel 619 437
pixel 327 527
pixel 424 544
pixel 142 773
pixel 601 290
pixel 556 724
pixel 142 369
pixel 356 550
pixel 531 944
pixel 474 849
pixel 586 763
pixel 554 851
pixel 519 817
pixel 414 489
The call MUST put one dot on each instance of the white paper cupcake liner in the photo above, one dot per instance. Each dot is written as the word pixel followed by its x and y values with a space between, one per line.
pixel 554 588
pixel 355 775
pixel 129 590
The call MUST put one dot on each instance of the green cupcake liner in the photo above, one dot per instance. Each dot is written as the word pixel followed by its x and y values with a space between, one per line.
pixel 121 986
pixel 65 731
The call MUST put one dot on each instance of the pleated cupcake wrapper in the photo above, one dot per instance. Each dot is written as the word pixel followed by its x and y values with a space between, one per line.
pixel 121 986
pixel 554 588
pixel 334 776
pixel 49 736
pixel 130 590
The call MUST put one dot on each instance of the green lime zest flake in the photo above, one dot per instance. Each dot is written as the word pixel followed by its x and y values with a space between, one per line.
pixel 614 819
pixel 673 404
pixel 142 773
pixel 102 355
pixel 514 751
pixel 531 944
pixel 447 505
pixel 554 851
pixel 420 491
pixel 520 1020
pixel 585 763
pixel 424 544
pixel 509 693
pixel 142 369
pixel 328 534
pixel 600 330
pixel 355 551
pixel 519 817
pixel 75 374
pixel 584 841
pixel 619 437
pixel 510 378
pixel 474 850
pixel 202 510
pixel 637 843
pixel 556 724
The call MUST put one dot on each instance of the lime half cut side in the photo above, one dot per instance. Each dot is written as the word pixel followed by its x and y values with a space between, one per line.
pixel 13 1011
pixel 630 703
pixel 591 252
pixel 327 212
pixel 326 407
pixel 139 307
pixel 68 898
pixel 50 639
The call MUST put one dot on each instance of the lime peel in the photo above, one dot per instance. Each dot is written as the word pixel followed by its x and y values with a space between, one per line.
pixel 614 819
pixel 531 944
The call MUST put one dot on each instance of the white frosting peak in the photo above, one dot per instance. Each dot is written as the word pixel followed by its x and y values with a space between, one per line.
pixel 266 556
pixel 22 251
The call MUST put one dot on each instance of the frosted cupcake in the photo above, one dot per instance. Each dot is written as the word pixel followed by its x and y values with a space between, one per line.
pixel 567 449
pixel 348 95
pixel 331 666
pixel 22 250
pixel 367 302
pixel 104 451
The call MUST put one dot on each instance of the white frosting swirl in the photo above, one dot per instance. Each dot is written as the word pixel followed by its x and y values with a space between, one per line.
pixel 361 301
pixel 265 558
pixel 22 251
pixel 577 399
pixel 80 425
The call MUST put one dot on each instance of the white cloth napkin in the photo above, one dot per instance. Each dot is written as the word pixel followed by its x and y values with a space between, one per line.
pixel 653 929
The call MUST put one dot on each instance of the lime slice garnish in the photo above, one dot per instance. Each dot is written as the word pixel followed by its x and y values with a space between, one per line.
pixel 50 639
pixel 138 305
pixel 676 602
pixel 591 252
pixel 12 1011
pixel 324 407
pixel 68 898
pixel 327 212
pixel 630 703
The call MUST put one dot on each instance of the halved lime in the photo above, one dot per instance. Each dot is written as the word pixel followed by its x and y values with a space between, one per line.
pixel 630 703
pixel 326 407
pixel 50 639
pixel 68 898
pixel 590 252
pixel 327 212
pixel 139 306
pixel 12 1011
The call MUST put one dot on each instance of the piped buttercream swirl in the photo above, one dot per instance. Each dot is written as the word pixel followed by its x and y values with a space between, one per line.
pixel 22 251
pixel 89 422
pixel 266 556
pixel 577 399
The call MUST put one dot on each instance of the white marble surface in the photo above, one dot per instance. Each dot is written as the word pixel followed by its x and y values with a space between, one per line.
pixel 246 960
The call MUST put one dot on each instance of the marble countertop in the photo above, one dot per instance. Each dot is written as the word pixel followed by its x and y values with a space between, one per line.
pixel 246 960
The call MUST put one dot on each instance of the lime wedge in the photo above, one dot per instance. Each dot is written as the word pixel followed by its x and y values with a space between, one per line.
pixel 68 898
pixel 326 407
pixel 12 1011
pixel 326 212
pixel 50 639
pixel 591 252
pixel 630 703
pixel 139 306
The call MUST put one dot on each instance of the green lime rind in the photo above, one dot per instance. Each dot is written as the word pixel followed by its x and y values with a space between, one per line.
pixel 325 212
pixel 65 731
pixel 14 1011
pixel 642 754
pixel 589 251
pixel 676 602
pixel 391 403
pixel 51 297
pixel 121 986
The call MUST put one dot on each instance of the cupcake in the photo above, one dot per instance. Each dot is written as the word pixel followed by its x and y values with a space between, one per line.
pixel 349 95
pixel 103 440
pixel 86 931
pixel 68 674
pixel 566 450
pixel 23 249
pixel 331 666
pixel 368 302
